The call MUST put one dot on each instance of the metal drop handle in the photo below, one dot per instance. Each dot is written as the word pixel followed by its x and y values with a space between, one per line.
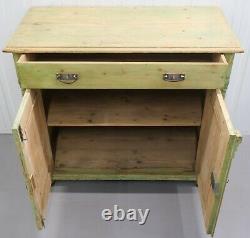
pixel 67 78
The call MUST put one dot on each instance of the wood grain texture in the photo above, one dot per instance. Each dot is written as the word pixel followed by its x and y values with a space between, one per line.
pixel 160 175
pixel 120 74
pixel 125 151
pixel 124 29
pixel 217 143
pixel 124 108
pixel 31 136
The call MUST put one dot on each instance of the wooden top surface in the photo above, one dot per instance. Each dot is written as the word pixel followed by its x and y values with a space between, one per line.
pixel 123 29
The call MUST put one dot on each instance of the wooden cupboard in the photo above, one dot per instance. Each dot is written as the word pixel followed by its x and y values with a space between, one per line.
pixel 125 93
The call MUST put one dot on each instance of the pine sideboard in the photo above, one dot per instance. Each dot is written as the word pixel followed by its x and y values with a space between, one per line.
pixel 125 93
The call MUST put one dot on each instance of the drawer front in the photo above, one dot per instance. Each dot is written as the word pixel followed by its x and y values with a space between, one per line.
pixel 118 75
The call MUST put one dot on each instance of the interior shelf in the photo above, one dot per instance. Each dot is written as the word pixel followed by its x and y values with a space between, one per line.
pixel 125 153
pixel 124 108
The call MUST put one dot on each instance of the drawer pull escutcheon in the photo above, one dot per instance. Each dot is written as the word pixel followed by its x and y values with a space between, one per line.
pixel 172 77
pixel 66 78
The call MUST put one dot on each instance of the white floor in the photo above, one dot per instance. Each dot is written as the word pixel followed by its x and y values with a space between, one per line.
pixel 75 207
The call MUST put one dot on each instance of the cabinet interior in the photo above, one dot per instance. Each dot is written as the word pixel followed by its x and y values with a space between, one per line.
pixel 137 134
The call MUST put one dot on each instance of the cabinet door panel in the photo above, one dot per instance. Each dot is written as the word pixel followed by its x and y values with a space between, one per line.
pixel 31 136
pixel 217 144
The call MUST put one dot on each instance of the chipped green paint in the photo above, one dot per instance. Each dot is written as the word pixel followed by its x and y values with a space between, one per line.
pixel 16 58
pixel 230 59
pixel 233 144
pixel 122 75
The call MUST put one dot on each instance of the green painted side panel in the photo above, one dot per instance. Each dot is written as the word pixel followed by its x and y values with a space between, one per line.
pixel 230 59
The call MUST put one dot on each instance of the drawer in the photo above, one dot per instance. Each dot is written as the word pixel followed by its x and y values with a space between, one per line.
pixel 126 136
pixel 122 71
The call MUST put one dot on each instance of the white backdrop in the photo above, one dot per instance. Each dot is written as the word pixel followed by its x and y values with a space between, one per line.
pixel 237 13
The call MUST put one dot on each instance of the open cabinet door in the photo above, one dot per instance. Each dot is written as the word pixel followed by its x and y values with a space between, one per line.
pixel 31 136
pixel 217 144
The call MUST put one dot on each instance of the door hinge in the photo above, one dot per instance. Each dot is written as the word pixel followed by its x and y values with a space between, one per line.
pixel 214 183
pixel 21 134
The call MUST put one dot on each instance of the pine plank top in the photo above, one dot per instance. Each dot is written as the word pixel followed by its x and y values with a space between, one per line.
pixel 123 29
